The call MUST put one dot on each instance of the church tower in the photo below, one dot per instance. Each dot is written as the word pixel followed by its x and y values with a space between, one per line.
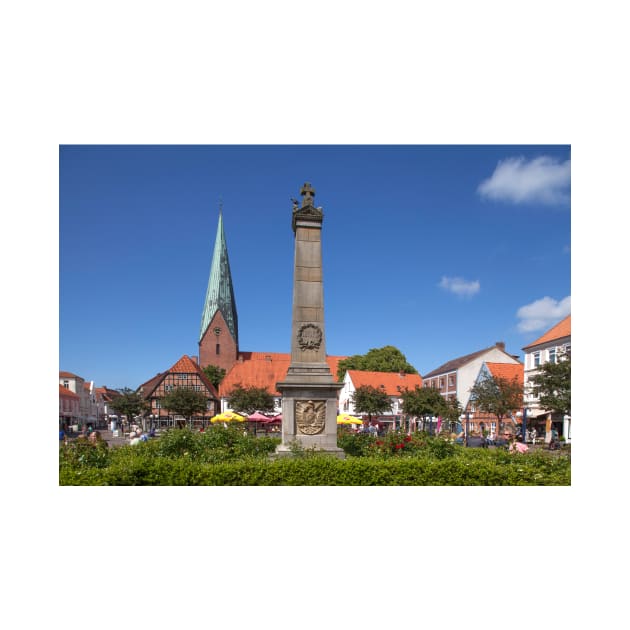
pixel 218 338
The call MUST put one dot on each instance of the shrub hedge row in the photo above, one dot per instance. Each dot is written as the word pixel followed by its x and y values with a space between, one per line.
pixel 473 468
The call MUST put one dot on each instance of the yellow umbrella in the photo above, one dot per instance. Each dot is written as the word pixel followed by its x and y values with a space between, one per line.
pixel 227 416
pixel 344 418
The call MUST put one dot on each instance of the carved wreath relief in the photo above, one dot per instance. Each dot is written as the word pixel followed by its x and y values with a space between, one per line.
pixel 309 337
pixel 310 416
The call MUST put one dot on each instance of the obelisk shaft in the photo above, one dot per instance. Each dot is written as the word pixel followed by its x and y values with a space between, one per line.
pixel 309 391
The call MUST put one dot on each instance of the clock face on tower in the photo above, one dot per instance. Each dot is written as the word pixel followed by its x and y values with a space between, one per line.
pixel 216 331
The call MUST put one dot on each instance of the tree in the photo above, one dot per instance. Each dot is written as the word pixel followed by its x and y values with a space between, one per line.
pixel 250 399
pixel 215 374
pixel 371 400
pixel 452 413
pixel 497 396
pixel 130 403
pixel 422 402
pixel 385 359
pixel 552 386
pixel 185 402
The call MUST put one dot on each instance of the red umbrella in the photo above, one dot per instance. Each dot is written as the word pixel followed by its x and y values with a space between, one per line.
pixel 258 417
pixel 277 418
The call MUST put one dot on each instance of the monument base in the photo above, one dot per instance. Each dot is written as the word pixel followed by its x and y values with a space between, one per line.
pixel 309 417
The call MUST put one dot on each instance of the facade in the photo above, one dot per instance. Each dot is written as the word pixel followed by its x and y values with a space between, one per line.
pixel 392 382
pixel 78 385
pixel 69 408
pixel 185 373
pixel 455 378
pixel 104 398
pixel 549 348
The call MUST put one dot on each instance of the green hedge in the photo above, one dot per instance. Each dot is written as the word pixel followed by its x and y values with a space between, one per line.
pixel 486 469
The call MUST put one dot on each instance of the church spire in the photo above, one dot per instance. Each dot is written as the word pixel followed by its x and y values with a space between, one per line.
pixel 220 292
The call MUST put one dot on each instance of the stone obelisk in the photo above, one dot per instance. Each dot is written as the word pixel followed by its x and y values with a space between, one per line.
pixel 309 391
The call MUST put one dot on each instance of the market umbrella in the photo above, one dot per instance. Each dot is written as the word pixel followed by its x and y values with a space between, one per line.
pixel 277 418
pixel 344 418
pixel 258 417
pixel 227 416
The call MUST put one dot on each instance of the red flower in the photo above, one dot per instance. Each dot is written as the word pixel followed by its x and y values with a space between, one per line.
pixel 408 438
pixel 379 442
pixel 400 446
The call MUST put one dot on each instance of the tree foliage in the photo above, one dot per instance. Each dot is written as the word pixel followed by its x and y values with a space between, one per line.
pixel 552 386
pixel 385 359
pixel 423 401
pixel 130 403
pixel 185 402
pixel 250 399
pixel 497 396
pixel 215 374
pixel 371 400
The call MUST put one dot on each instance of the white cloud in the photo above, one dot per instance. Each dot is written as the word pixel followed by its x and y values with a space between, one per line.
pixel 543 179
pixel 543 313
pixel 459 286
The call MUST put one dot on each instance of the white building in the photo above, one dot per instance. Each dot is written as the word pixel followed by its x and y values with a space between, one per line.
pixel 455 378
pixel 547 349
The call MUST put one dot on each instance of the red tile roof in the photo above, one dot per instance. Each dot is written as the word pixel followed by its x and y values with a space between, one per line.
pixel 185 365
pixel 390 380
pixel 455 364
pixel 64 391
pixel 560 330
pixel 264 370
pixel 68 375
pixel 507 371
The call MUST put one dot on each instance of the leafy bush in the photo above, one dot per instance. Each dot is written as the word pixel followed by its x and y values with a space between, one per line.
pixel 474 467
pixel 223 456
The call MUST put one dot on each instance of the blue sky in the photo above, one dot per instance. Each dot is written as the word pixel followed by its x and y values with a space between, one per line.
pixel 438 250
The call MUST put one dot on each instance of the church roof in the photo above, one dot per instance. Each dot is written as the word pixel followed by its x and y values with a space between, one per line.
pixel 220 292
pixel 263 369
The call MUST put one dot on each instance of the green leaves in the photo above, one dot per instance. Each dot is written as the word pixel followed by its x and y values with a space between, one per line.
pixel 371 400
pixel 215 374
pixel 130 403
pixel 423 401
pixel 185 402
pixel 385 359
pixel 250 399
pixel 552 386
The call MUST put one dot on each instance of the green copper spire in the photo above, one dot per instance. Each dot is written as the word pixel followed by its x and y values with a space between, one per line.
pixel 220 293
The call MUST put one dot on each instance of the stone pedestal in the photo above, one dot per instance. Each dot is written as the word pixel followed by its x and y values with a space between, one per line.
pixel 309 391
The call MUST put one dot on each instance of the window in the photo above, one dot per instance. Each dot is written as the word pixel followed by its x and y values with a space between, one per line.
pixel 66 384
pixel 451 381
pixel 552 356
pixel 536 359
pixel 182 377
pixel 218 348
pixel 441 383
pixel 197 388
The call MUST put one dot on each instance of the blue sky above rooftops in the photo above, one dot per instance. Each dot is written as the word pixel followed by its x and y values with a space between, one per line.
pixel 438 250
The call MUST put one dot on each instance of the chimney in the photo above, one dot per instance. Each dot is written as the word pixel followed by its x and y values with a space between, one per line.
pixel 267 357
pixel 195 359
pixel 501 345
pixel 401 374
